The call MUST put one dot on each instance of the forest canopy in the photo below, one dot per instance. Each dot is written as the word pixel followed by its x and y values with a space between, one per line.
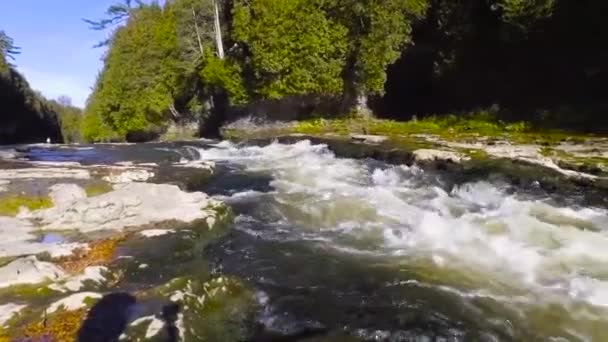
pixel 205 61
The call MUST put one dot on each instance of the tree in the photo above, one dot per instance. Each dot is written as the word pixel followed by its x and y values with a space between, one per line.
pixel 378 31
pixel 7 46
pixel 116 15
pixel 523 12
pixel 26 115
pixel 291 47
pixel 137 86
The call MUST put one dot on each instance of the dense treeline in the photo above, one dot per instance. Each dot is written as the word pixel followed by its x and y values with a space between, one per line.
pixel 25 115
pixel 205 60
pixel 541 61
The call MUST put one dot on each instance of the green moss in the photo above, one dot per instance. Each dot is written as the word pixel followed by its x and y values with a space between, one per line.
pixel 27 292
pixel 9 206
pixel 98 188
pixel 450 126
pixel 217 310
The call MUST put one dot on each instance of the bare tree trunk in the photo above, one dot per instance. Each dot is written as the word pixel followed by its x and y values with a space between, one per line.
pixel 355 101
pixel 218 32
pixel 198 33
pixel 174 112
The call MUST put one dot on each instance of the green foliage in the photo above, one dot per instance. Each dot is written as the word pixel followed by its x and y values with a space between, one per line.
pixel 94 129
pixel 70 119
pixel 225 75
pixel 162 64
pixel 523 12
pixel 26 115
pixel 136 87
pixel 377 33
pixel 7 46
pixel 294 48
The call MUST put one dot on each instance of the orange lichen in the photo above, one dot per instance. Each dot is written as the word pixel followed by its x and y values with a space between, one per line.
pixel 99 253
pixel 59 327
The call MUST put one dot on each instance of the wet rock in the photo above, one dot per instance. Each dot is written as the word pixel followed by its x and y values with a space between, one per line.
pixel 129 205
pixel 29 270
pixel 127 176
pixel 17 238
pixel 369 139
pixel 430 156
pixel 8 154
pixel 220 309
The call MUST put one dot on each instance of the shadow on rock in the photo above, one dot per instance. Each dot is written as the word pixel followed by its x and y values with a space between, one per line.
pixel 107 319
pixel 169 316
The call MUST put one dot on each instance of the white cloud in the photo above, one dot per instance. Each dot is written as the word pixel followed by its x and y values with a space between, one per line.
pixel 52 85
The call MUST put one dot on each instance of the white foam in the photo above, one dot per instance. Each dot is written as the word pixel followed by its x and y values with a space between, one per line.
pixel 477 231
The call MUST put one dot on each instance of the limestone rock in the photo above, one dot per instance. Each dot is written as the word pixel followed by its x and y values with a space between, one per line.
pixel 3 184
pixel 44 172
pixel 370 139
pixel 62 194
pixel 428 155
pixel 17 238
pixel 28 270
pixel 127 176
pixel 72 302
pixel 8 311
pixel 129 205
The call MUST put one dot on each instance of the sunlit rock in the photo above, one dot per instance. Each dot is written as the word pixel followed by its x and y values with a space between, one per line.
pixel 129 205
pixel 29 270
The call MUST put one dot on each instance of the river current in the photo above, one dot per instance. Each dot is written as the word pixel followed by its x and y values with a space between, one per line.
pixel 388 252
pixel 340 249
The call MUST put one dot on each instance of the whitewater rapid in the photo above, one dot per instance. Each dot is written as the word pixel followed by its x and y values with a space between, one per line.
pixel 479 239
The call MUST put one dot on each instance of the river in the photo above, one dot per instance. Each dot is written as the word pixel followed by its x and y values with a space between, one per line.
pixel 338 247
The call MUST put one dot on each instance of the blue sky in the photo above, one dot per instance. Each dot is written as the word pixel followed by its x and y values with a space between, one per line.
pixel 56 57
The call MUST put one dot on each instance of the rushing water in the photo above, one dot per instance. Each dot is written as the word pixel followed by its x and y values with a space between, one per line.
pixel 342 247
pixel 386 252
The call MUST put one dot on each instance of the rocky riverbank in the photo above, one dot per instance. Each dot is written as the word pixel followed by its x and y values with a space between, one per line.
pixel 76 239
pixel 574 167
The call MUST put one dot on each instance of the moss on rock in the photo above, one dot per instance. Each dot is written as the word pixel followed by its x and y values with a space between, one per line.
pixel 10 205
pixel 219 309
pixel 61 326
pixel 97 188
